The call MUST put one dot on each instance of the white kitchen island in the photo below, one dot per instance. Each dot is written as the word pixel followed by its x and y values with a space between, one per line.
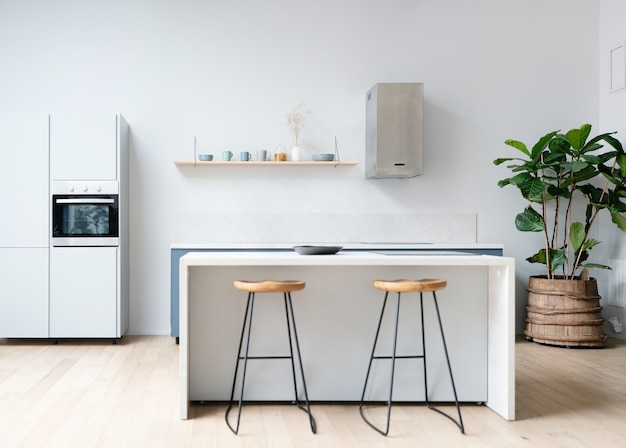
pixel 336 317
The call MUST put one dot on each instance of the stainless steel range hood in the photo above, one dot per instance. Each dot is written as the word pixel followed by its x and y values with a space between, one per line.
pixel 394 130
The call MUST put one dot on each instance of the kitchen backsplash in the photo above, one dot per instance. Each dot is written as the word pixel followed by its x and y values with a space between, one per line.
pixel 325 227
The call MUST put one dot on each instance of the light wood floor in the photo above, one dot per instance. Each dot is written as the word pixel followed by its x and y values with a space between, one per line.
pixel 95 394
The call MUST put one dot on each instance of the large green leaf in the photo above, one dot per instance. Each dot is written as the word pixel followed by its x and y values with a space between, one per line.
pixel 575 166
pixel 608 139
pixel 577 235
pixel 595 266
pixel 615 143
pixel 583 173
pixel 539 257
pixel 595 195
pixel 557 258
pixel 619 220
pixel 554 191
pixel 589 213
pixel 533 189
pixel 553 160
pixel 621 162
pixel 595 159
pixel 615 203
pixel 529 221
pixel 519 146
pixel 613 175
pixel 542 144
pixel 520 178
pixel 590 243
pixel 583 256
pixel 589 147
pixel 578 137
pixel 560 145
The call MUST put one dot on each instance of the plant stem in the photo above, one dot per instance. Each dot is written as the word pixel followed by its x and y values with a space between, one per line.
pixel 547 238
pixel 568 223
pixel 544 211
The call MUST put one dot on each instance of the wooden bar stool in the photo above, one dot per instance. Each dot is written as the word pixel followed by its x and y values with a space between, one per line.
pixel 399 287
pixel 269 286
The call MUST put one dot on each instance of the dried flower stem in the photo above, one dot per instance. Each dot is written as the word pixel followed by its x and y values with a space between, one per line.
pixel 295 121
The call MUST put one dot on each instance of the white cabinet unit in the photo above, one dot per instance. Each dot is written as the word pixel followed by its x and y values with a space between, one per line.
pixel 60 292
pixel 24 225
pixel 84 146
pixel 83 292
pixel 24 293
pixel 89 281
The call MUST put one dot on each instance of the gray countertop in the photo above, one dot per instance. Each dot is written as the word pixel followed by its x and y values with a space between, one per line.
pixel 374 245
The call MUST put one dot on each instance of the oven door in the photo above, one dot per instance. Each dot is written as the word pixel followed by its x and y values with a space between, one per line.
pixel 85 220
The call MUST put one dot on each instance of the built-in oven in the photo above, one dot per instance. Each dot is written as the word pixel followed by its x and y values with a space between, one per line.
pixel 85 213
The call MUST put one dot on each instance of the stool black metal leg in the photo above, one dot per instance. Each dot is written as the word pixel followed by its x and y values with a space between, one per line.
pixel 425 371
pixel 459 423
pixel 247 319
pixel 293 366
pixel 369 366
pixel 288 312
pixel 393 365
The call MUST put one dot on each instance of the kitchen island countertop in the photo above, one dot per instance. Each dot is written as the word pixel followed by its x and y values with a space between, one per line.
pixel 347 246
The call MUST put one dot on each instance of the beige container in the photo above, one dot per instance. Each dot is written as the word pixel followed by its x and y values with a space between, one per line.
pixel 564 312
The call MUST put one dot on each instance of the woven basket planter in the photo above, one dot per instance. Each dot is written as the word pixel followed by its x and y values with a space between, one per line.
pixel 564 312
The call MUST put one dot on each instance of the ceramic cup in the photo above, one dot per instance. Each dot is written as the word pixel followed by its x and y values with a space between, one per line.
pixel 205 157
pixel 244 156
pixel 227 155
pixel 262 155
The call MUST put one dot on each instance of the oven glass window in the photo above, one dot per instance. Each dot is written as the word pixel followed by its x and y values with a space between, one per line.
pixel 86 220
pixel 81 217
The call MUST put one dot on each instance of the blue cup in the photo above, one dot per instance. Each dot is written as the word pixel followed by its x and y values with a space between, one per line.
pixel 244 156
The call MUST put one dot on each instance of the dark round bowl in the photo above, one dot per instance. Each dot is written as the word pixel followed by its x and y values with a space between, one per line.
pixel 317 250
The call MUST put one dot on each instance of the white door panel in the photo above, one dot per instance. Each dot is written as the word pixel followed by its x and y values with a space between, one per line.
pixel 24 294
pixel 83 146
pixel 24 180
pixel 83 292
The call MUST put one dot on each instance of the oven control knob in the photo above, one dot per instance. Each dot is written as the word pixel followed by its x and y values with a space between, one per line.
pixel 72 188
pixel 84 188
pixel 98 189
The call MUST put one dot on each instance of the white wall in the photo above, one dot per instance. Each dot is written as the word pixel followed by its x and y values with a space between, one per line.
pixel 612 112
pixel 228 71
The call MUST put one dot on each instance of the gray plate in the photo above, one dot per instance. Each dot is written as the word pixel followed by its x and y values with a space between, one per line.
pixel 317 250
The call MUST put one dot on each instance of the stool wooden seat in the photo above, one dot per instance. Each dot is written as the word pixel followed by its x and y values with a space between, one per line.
pixel 409 286
pixel 424 285
pixel 269 286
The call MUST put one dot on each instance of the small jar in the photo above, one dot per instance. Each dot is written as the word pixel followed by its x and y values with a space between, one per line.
pixel 280 155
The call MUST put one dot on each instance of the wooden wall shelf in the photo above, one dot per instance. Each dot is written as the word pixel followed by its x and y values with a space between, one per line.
pixel 268 163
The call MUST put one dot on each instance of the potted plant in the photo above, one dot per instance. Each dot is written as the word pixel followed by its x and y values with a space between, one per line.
pixel 568 180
